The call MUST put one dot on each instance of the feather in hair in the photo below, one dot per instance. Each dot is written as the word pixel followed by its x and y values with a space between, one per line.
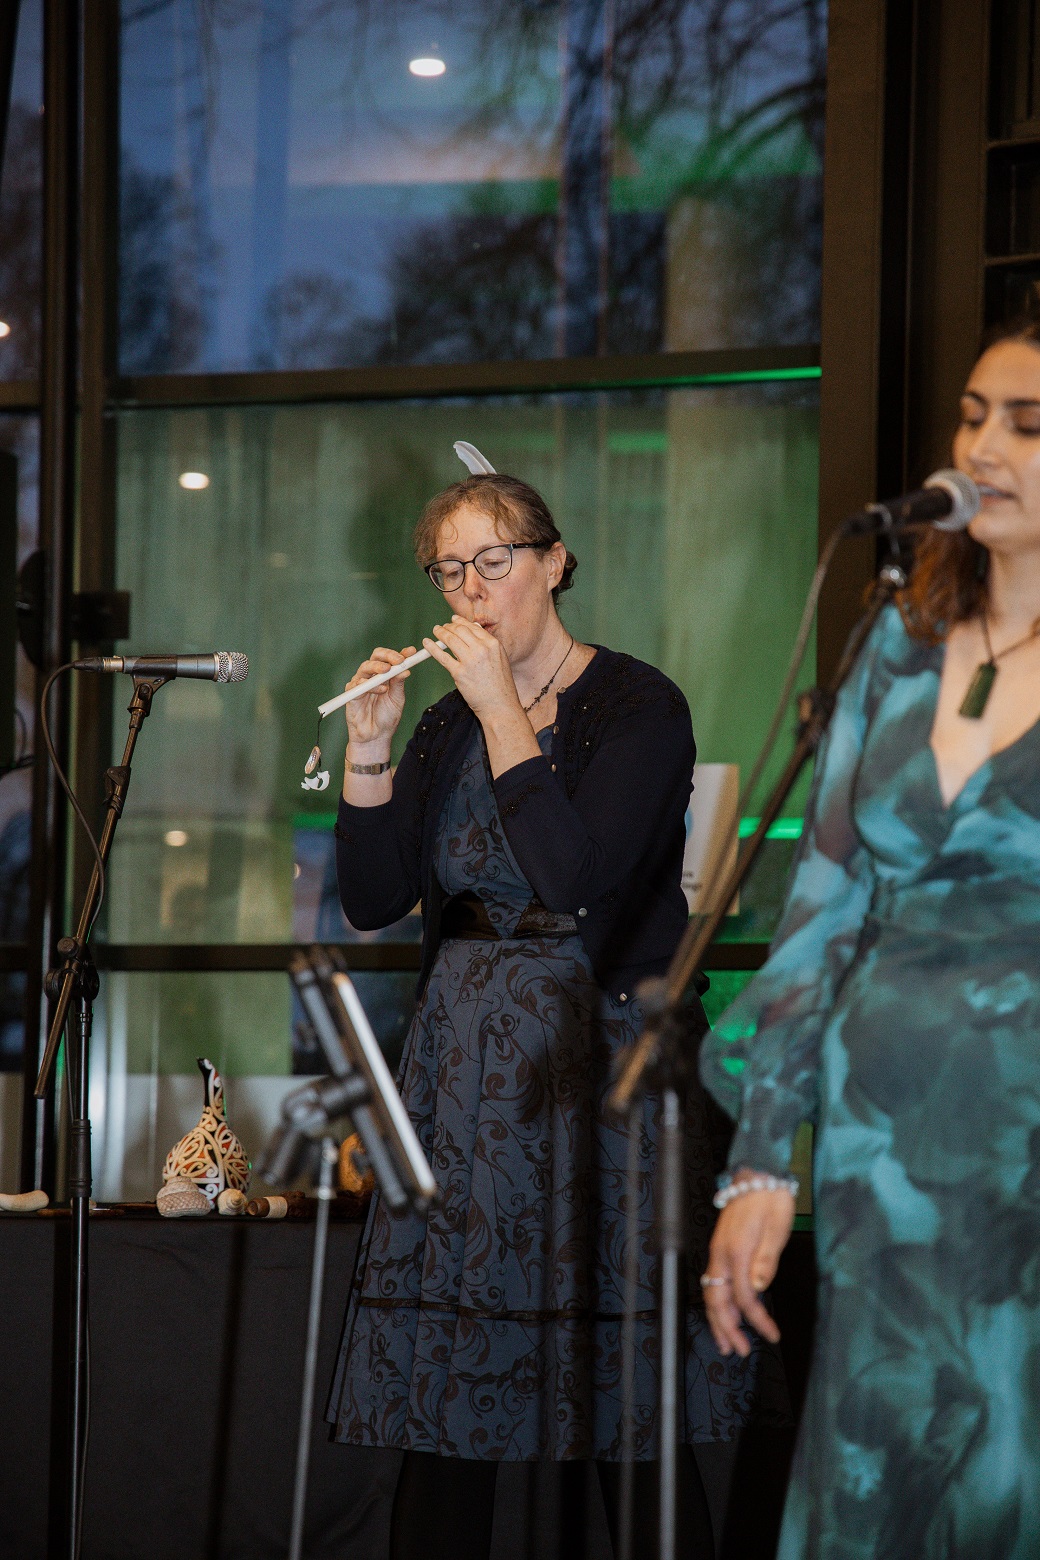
pixel 477 464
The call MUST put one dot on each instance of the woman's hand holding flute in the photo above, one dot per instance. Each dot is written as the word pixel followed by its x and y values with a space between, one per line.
pixel 372 718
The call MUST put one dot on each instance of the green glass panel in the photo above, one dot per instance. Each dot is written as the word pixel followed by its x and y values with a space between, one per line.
pixel 692 513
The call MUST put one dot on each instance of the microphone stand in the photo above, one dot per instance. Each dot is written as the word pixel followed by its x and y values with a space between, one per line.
pixel 660 1051
pixel 73 987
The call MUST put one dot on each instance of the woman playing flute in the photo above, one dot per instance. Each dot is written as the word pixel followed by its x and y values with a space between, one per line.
pixel 538 812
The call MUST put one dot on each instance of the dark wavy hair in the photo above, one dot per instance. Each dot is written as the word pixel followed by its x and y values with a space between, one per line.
pixel 519 512
pixel 951 569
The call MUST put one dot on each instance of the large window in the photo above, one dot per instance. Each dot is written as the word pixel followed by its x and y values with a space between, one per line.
pixel 582 234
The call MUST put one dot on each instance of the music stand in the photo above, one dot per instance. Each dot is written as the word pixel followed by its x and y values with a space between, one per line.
pixel 360 1087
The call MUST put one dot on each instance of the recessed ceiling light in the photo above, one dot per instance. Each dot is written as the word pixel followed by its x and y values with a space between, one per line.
pixel 428 66
pixel 194 481
pixel 175 837
pixel 5 329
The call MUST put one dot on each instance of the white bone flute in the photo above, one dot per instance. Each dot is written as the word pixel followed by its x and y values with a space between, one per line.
pixel 376 682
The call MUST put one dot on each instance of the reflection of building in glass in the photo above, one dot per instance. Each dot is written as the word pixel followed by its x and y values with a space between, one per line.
pixel 583 177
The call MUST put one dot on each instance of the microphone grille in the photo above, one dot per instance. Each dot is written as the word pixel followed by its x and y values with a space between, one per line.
pixel 232 666
pixel 965 495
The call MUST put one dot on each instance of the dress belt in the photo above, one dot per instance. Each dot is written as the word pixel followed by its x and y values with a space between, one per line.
pixel 465 915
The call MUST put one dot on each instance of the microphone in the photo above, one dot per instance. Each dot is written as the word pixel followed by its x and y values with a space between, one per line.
pixel 949 500
pixel 222 666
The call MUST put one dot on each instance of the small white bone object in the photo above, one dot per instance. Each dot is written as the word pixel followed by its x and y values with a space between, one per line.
pixel 318 782
pixel 23 1202
pixel 231 1201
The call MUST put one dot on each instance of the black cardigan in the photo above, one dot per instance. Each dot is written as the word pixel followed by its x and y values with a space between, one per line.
pixel 597 828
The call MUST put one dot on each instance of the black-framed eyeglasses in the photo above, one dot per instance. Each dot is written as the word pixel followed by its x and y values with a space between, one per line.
pixel 491 563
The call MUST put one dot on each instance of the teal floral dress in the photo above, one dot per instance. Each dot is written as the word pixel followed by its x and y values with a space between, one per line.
pixel 899 1011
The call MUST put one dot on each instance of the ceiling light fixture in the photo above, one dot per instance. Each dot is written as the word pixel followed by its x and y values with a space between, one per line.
pixel 5 329
pixel 175 837
pixel 427 66
pixel 194 481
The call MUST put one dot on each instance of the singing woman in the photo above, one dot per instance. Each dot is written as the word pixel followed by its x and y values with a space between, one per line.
pixel 900 1011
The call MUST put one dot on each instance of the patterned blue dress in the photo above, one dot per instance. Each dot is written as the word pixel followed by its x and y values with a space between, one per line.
pixel 491 1327
pixel 900 1011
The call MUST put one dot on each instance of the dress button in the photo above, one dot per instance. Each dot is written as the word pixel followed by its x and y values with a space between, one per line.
pixel 555 730
pixel 583 911
pixel 553 768
pixel 623 997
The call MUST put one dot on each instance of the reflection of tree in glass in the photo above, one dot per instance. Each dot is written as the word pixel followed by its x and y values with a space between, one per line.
pixel 312 317
pixel 647 169
pixel 169 281
pixel 468 288
pixel 717 120
pixel 160 327
pixel 20 225
pixel 749 81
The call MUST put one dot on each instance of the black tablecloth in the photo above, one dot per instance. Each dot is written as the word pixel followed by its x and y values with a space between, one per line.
pixel 196 1353
pixel 197 1337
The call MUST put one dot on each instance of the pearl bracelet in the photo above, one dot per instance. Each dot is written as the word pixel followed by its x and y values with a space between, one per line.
pixel 754 1183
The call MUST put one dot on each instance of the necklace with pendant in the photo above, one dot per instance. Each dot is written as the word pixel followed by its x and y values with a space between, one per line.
pixel 527 708
pixel 981 685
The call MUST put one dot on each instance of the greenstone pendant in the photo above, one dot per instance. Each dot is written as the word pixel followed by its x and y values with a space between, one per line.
pixel 977 696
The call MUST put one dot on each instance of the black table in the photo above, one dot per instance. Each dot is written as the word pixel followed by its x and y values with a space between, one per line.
pixel 197 1337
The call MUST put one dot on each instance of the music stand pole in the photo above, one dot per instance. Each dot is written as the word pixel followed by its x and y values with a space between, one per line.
pixel 76 981
pixel 671 1244
pixel 325 1193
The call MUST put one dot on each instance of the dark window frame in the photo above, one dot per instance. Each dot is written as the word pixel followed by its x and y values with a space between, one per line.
pixel 871 433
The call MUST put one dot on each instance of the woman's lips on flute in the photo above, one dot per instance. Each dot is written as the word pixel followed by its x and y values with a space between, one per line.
pixel 377 681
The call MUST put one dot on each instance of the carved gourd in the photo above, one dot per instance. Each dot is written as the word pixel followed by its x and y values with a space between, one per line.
pixel 209 1157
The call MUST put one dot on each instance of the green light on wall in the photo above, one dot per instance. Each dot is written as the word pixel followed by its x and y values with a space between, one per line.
pixel 782 829
pixel 750 376
pixel 739 376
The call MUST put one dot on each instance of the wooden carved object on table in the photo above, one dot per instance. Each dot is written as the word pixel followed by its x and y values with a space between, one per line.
pixel 354 1177
pixel 208 1160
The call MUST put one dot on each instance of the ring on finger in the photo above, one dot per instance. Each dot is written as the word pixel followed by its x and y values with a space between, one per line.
pixel 712 1281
